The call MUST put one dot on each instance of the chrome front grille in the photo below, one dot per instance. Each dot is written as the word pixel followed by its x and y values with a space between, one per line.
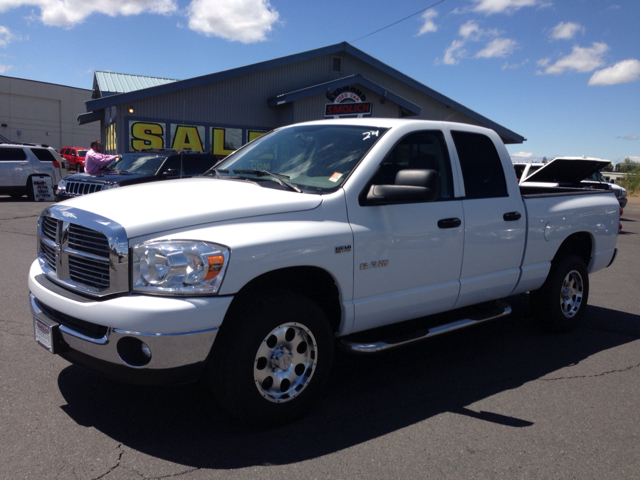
pixel 86 240
pixel 82 251
pixel 89 272
pixel 83 188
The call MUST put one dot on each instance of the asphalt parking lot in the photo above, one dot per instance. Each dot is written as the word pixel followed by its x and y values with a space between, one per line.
pixel 500 400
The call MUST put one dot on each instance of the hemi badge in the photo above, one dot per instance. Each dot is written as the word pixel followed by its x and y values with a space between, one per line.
pixel 343 249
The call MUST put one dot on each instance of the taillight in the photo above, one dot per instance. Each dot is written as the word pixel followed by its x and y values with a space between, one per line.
pixel 56 164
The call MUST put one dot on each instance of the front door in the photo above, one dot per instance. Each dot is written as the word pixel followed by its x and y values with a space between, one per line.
pixel 408 257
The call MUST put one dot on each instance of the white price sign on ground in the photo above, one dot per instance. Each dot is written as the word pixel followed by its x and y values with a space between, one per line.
pixel 42 189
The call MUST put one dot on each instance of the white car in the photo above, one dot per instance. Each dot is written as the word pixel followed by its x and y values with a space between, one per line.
pixel 19 163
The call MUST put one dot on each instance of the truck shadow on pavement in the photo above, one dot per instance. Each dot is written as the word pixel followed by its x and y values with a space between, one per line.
pixel 366 397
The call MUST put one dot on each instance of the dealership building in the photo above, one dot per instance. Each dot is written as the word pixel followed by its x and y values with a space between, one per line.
pixel 221 111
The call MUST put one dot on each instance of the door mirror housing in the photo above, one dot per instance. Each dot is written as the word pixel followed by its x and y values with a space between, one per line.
pixel 410 186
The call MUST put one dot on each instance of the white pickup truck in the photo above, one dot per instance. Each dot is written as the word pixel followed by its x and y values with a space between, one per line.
pixel 316 234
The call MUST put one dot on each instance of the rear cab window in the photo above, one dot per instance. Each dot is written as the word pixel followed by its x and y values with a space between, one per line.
pixel 482 169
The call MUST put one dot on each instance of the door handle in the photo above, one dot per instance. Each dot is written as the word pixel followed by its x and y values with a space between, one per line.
pixel 449 223
pixel 511 216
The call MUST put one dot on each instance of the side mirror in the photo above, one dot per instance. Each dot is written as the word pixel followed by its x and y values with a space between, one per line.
pixel 169 172
pixel 410 186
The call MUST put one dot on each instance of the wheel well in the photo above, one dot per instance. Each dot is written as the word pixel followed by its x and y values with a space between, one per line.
pixel 312 282
pixel 580 244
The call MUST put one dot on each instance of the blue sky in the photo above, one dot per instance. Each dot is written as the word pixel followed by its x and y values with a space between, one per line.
pixel 565 74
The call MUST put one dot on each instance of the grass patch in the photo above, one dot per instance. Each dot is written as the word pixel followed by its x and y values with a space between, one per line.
pixel 631 182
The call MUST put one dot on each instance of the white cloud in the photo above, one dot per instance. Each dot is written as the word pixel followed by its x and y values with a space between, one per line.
pixel 490 7
pixel 622 72
pixel 470 30
pixel 246 21
pixel 429 25
pixel 498 47
pixel 67 13
pixel 629 137
pixel 452 53
pixel 6 36
pixel 580 60
pixel 565 30
pixel 525 157
pixel 513 66
pixel 4 68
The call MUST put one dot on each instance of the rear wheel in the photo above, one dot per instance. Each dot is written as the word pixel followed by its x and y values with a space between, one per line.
pixel 79 168
pixel 271 358
pixel 559 304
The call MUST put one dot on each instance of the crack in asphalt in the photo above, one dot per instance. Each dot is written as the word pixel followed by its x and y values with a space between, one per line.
pixel 173 475
pixel 602 374
pixel 19 218
pixel 18 233
pixel 116 465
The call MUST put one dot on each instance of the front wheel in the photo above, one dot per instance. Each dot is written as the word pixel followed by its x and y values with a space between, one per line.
pixel 559 304
pixel 271 358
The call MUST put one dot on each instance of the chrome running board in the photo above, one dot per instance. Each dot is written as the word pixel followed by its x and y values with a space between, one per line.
pixel 501 310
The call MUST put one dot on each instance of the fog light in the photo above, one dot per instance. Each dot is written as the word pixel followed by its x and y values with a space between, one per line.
pixel 133 352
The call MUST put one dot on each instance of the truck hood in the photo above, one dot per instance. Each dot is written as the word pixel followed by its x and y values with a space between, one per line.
pixel 567 170
pixel 156 207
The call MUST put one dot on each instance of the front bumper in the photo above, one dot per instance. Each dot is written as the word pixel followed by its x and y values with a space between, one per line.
pixel 171 358
pixel 111 336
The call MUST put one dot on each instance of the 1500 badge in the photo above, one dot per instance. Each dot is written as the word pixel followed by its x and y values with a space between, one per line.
pixel 379 263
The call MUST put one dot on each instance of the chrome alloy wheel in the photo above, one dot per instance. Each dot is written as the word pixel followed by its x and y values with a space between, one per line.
pixel 285 362
pixel 571 294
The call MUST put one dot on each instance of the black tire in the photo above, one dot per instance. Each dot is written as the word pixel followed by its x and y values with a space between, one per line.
pixel 30 195
pixel 271 358
pixel 560 303
pixel 79 168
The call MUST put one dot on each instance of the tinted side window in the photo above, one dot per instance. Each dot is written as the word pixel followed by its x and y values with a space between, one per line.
pixel 9 154
pixel 173 164
pixel 481 166
pixel 63 151
pixel 418 151
pixel 43 154
pixel 197 165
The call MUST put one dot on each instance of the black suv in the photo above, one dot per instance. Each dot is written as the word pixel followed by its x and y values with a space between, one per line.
pixel 138 167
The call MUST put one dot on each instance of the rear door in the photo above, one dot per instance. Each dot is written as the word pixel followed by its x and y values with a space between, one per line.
pixel 494 221
pixel 407 256
pixel 15 167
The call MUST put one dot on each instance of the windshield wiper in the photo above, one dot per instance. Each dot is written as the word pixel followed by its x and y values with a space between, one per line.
pixel 278 177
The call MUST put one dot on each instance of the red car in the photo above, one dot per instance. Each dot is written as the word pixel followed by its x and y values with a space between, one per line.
pixel 74 156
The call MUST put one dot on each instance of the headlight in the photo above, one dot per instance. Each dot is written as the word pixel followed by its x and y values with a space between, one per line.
pixel 179 267
pixel 107 186
pixel 62 186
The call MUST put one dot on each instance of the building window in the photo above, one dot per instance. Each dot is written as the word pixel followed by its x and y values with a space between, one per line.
pixel 336 64
pixel 110 138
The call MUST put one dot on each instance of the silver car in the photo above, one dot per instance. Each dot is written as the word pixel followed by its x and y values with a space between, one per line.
pixel 19 163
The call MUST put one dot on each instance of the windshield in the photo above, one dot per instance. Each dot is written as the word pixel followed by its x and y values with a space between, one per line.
pixel 82 153
pixel 137 163
pixel 312 158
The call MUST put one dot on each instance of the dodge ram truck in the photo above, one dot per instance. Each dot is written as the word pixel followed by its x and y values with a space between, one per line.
pixel 316 235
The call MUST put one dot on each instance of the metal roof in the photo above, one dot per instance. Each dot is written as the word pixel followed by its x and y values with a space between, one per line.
pixel 169 87
pixel 110 83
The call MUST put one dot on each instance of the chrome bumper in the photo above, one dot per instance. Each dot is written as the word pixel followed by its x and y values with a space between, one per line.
pixel 155 351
